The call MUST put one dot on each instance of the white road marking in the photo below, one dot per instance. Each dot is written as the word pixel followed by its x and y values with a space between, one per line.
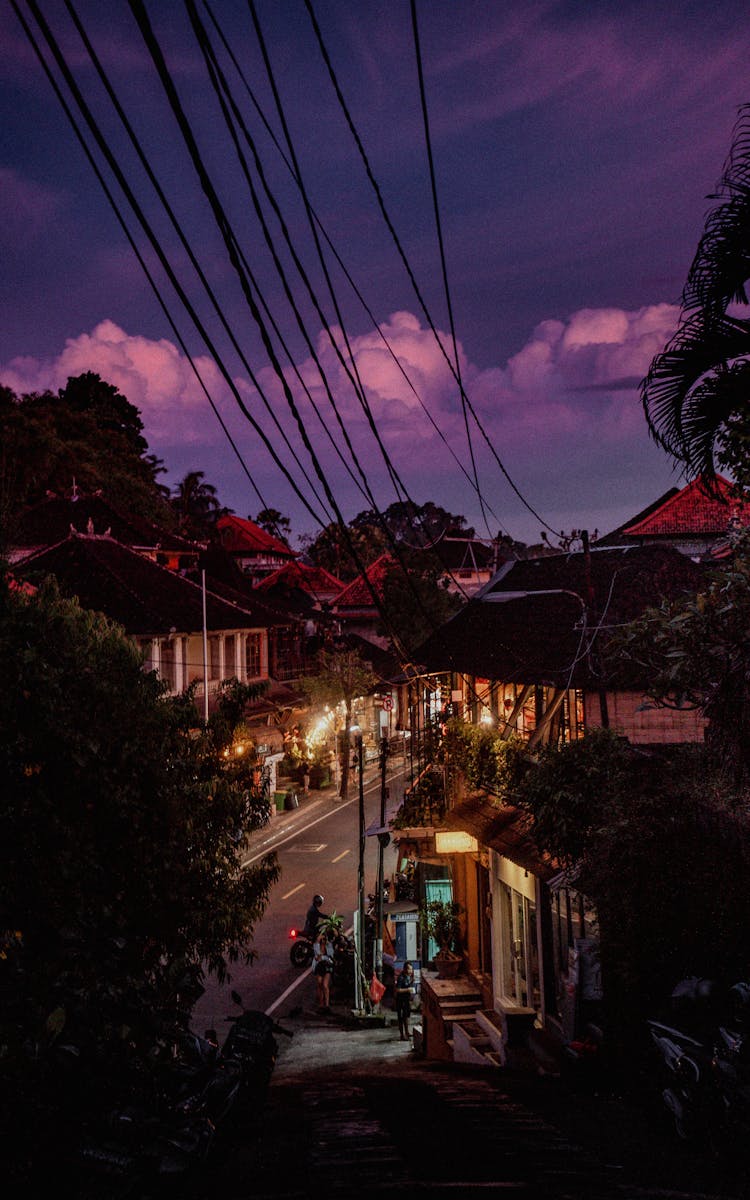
pixel 296 889
pixel 355 799
pixel 295 984
pixel 339 857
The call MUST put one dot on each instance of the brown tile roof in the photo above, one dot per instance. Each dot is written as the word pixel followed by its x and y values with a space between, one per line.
pixel 50 521
pixel 146 599
pixel 527 626
pixel 241 536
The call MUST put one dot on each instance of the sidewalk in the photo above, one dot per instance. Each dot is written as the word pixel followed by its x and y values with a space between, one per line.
pixel 356 1112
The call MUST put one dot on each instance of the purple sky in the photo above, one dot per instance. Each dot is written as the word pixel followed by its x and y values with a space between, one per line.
pixel 574 147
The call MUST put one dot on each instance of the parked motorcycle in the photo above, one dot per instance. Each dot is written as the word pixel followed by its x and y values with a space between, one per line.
pixel 704 1057
pixel 195 1096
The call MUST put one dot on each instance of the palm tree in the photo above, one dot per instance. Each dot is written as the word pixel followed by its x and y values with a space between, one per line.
pixel 696 392
pixel 196 506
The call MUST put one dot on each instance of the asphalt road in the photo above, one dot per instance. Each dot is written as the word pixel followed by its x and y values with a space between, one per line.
pixel 320 854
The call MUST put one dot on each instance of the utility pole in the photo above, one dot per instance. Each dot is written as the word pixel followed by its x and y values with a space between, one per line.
pixel 590 615
pixel 383 840
pixel 360 947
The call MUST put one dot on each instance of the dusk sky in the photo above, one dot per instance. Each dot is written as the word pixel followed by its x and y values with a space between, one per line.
pixel 575 146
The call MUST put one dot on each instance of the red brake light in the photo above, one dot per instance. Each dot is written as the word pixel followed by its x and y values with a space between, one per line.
pixel 293 933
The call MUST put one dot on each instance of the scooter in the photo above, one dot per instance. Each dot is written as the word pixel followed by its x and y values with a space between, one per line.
pixel 301 953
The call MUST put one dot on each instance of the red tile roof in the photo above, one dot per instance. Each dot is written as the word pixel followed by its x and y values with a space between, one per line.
pixel 314 580
pixel 358 594
pixel 239 535
pixel 695 509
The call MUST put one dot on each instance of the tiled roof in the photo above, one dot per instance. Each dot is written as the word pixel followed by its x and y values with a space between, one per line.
pixel 50 521
pixel 358 594
pixel 241 536
pixel 314 580
pixel 144 598
pixel 527 627
pixel 695 510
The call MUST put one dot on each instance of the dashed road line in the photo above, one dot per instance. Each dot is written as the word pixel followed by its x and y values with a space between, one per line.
pixel 339 857
pixel 294 889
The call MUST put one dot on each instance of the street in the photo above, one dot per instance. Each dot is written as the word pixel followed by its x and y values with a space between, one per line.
pixel 317 848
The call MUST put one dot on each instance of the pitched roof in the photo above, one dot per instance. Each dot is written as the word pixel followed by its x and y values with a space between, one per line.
pixel 358 594
pixel 50 521
pixel 527 625
pixel 144 598
pixel 241 536
pixel 313 580
pixel 698 509
pixel 694 509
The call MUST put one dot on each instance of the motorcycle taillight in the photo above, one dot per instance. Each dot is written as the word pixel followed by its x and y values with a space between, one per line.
pixel 292 933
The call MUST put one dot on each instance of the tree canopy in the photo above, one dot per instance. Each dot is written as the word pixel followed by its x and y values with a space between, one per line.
pixel 88 433
pixel 119 864
pixel 196 506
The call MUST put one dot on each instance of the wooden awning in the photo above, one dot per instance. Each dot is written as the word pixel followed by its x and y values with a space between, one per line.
pixel 502 828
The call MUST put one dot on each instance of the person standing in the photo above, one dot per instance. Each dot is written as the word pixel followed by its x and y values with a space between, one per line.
pixel 405 990
pixel 322 967
pixel 305 778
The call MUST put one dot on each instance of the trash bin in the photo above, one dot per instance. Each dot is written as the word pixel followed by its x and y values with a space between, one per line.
pixel 290 801
pixel 278 799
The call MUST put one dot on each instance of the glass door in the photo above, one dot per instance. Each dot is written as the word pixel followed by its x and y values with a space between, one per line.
pixel 520 950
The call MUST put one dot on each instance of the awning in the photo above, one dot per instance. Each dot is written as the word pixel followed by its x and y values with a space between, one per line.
pixel 502 828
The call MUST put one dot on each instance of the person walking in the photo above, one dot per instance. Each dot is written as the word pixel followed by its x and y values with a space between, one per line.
pixel 405 990
pixel 322 967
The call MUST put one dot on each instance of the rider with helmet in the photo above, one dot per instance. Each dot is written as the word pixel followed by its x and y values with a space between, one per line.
pixel 314 916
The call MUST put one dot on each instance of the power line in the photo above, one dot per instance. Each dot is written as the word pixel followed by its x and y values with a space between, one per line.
pixel 443 264
pixel 136 251
pixel 341 264
pixel 406 264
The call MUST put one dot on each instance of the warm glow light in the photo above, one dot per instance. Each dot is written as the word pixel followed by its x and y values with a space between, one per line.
pixel 455 842
pixel 239 749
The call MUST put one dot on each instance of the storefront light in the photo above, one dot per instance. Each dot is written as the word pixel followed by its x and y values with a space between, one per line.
pixel 455 842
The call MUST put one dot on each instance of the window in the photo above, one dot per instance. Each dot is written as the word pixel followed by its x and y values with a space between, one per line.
pixel 169 665
pixel 214 658
pixel 230 666
pixel 252 656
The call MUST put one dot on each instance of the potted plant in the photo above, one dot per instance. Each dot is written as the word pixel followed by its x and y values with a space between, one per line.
pixel 440 920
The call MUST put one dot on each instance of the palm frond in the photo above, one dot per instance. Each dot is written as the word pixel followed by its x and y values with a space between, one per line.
pixel 692 387
pixel 721 267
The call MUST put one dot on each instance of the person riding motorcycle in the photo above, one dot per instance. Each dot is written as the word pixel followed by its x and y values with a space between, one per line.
pixel 314 917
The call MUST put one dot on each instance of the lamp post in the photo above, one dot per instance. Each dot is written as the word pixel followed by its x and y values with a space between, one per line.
pixel 383 840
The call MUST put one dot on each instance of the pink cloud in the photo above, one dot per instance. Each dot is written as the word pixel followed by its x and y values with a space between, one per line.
pixel 572 384
pixel 154 376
